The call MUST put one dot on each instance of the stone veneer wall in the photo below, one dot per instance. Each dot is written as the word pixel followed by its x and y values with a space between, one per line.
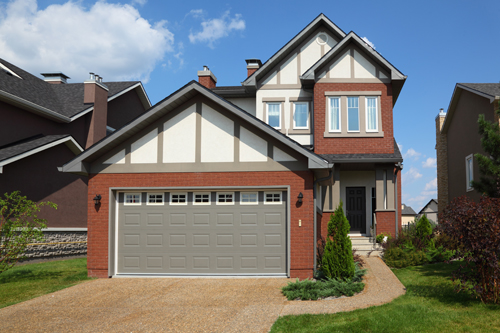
pixel 59 243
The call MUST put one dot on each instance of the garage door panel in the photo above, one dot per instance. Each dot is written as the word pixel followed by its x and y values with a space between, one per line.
pixel 201 239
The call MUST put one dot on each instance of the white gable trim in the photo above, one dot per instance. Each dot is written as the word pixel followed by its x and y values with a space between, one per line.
pixel 69 141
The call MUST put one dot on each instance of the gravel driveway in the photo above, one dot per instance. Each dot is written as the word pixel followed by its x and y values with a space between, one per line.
pixel 182 305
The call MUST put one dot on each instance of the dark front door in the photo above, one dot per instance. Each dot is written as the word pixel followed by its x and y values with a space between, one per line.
pixel 356 208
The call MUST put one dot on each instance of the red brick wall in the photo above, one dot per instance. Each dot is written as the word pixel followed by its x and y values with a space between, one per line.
pixel 324 145
pixel 385 220
pixel 206 81
pixel 302 238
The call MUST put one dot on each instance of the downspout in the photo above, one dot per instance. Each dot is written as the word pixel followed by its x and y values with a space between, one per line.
pixel 399 166
pixel 330 175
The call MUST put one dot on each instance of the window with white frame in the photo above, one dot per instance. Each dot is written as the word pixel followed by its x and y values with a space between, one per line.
pixel 272 197
pixel 274 115
pixel 371 114
pixel 353 114
pixel 248 198
pixel 178 198
pixel 469 172
pixel 132 198
pixel 225 198
pixel 301 115
pixel 155 199
pixel 201 198
pixel 334 105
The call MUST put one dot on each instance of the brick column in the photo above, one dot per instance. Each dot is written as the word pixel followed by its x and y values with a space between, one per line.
pixel 442 162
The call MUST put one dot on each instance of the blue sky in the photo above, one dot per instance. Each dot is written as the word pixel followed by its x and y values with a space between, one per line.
pixel 164 43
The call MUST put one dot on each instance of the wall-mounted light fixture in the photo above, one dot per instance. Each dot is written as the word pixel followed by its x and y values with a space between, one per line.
pixel 300 197
pixel 97 199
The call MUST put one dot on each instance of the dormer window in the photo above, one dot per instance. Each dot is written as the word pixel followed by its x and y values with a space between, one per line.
pixel 274 115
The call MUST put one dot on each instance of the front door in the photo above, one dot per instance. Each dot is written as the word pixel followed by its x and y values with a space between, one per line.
pixel 356 208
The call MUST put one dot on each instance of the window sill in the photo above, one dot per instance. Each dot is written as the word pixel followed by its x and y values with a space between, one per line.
pixel 353 135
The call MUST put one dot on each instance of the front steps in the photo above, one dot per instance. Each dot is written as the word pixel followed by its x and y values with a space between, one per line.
pixel 364 245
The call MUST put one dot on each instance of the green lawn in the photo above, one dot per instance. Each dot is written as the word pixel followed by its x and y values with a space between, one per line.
pixel 430 305
pixel 25 282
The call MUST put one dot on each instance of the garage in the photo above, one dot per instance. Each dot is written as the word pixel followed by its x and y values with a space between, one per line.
pixel 201 232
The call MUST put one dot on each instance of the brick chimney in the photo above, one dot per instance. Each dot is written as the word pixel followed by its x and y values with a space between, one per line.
pixel 206 78
pixel 442 162
pixel 96 93
pixel 252 66
pixel 55 78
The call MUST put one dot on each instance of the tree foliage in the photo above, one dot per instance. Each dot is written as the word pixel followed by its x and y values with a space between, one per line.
pixel 476 226
pixel 19 226
pixel 337 256
pixel 489 165
pixel 423 229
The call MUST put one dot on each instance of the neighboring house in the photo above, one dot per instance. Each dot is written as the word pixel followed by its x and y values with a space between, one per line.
pixel 430 210
pixel 458 139
pixel 407 215
pixel 47 122
pixel 242 180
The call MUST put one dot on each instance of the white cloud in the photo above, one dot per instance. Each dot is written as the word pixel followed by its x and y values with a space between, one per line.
pixel 432 185
pixel 429 163
pixel 365 39
pixel 139 2
pixel 112 40
pixel 196 13
pixel 214 29
pixel 411 175
pixel 411 153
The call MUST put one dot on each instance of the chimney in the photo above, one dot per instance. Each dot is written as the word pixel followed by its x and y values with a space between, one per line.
pixel 252 66
pixel 55 78
pixel 442 161
pixel 96 93
pixel 206 78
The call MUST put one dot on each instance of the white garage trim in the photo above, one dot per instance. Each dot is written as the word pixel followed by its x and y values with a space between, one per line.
pixel 114 223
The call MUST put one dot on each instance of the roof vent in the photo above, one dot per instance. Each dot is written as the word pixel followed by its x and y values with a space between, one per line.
pixel 441 112
pixel 55 77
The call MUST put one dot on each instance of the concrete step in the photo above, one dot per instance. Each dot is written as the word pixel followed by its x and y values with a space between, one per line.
pixel 370 253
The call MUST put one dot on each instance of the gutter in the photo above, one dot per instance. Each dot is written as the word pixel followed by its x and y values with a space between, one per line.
pixel 399 166
pixel 330 175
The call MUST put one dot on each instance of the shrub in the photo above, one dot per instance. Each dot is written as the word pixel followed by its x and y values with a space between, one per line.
pixel 423 229
pixel 19 226
pixel 380 237
pixel 337 261
pixel 312 290
pixel 476 226
pixel 399 258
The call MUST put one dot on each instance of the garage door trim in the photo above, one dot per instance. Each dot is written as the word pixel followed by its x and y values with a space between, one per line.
pixel 113 226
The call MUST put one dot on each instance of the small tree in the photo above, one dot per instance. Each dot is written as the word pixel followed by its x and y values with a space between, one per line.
pixel 19 226
pixel 489 165
pixel 337 257
pixel 423 229
pixel 476 227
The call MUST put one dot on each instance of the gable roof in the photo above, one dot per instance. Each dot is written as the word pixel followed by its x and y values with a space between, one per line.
pixel 490 91
pixel 407 210
pixel 427 205
pixel 320 20
pixel 312 73
pixel 59 102
pixel 24 148
pixel 80 164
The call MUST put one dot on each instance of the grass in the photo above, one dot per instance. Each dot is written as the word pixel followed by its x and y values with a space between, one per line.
pixel 25 282
pixel 430 305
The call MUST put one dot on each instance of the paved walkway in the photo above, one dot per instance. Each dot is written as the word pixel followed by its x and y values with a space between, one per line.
pixel 183 305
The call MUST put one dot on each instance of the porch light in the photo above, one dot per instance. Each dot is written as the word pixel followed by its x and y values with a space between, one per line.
pixel 97 199
pixel 300 197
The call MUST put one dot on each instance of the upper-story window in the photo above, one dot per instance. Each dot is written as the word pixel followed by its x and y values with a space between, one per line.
pixel 274 115
pixel 469 172
pixel 371 114
pixel 353 114
pixel 301 115
pixel 334 104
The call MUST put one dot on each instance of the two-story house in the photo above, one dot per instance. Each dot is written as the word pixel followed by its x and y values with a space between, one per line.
pixel 241 180
pixel 45 123
pixel 458 139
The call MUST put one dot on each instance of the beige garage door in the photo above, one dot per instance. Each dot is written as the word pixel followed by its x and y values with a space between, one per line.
pixel 202 232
